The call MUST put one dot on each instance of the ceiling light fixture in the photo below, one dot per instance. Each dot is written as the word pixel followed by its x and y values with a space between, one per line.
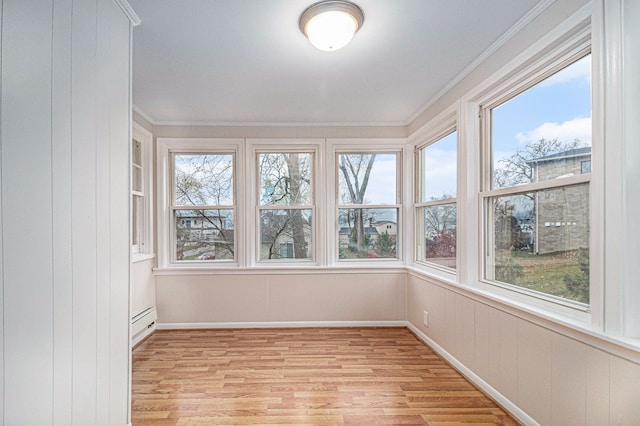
pixel 330 25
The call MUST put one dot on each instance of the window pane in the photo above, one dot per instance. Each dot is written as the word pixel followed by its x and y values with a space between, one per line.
pixel 367 233
pixel 203 180
pixel 440 234
pixel 439 169
pixel 286 234
pixel 285 179
pixel 136 154
pixel 545 132
pixel 541 241
pixel 204 234
pixel 367 178
pixel 136 179
pixel 137 220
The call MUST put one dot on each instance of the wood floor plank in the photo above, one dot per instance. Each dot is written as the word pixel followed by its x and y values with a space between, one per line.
pixel 319 376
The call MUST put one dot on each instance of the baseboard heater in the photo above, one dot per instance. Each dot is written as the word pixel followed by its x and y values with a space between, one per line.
pixel 143 320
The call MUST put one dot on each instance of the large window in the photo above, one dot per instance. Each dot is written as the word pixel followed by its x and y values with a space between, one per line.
pixel 368 205
pixel 436 209
pixel 536 189
pixel 285 205
pixel 203 207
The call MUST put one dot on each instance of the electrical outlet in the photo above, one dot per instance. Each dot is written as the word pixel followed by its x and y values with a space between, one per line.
pixel 425 318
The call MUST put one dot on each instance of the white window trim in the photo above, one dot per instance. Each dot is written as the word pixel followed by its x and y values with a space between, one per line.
pixel 334 147
pixel 145 252
pixel 166 148
pixel 559 48
pixel 441 126
pixel 261 146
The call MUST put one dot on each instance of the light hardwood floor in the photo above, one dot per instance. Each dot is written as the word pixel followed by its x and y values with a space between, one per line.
pixel 320 376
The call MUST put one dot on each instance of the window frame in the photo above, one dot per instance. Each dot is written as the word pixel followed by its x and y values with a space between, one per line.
pixel 167 148
pixel 144 250
pixel 576 48
pixel 448 127
pixel 286 149
pixel 372 147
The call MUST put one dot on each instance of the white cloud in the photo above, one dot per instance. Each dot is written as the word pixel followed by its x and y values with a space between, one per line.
pixel 578 128
pixel 440 173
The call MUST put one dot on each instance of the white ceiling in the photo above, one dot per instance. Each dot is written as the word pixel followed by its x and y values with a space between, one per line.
pixel 246 61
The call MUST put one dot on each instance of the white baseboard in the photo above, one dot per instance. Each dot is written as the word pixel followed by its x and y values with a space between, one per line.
pixel 284 324
pixel 500 399
pixel 142 335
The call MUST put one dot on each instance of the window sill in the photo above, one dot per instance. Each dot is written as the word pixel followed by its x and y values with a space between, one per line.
pixel 280 269
pixel 141 257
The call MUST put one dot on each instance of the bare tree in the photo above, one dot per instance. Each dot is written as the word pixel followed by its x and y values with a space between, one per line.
pixel 285 181
pixel 517 169
pixel 201 181
pixel 356 170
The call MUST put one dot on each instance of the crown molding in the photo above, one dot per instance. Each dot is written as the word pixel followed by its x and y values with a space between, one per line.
pixel 504 38
pixel 128 10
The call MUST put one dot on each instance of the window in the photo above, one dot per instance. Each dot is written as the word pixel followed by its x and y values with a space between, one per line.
pixel 436 224
pixel 536 195
pixel 141 192
pixel 203 207
pixel 285 206
pixel 368 205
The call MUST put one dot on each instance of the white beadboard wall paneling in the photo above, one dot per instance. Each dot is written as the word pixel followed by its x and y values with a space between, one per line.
pixel 64 147
pixel 119 250
pixel 624 385
pixel 85 92
pixel 62 213
pixel 2 398
pixel 27 211
pixel 534 371
pixel 281 298
pixel 102 203
pixel 597 387
pixel 568 381
pixel 508 357
pixel 631 55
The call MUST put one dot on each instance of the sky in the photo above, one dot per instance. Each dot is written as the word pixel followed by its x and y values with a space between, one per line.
pixel 558 107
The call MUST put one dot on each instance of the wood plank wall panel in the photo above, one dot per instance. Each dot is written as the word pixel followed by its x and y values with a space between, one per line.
pixel 554 379
pixel 64 212
pixel 27 210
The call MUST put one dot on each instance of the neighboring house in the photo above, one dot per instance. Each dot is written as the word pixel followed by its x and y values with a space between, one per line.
pixel 562 214
pixel 277 240
pixel 203 238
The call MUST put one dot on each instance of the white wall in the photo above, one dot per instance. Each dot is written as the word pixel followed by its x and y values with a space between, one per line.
pixel 64 144
pixel 250 298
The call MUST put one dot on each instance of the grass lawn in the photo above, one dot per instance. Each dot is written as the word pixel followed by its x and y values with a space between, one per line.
pixel 545 273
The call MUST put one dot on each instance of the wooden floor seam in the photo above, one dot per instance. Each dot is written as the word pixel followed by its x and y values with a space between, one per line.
pixel 301 376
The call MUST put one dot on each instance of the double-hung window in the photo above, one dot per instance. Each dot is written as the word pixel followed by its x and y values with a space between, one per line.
pixel 436 208
pixel 203 207
pixel 285 206
pixel 368 205
pixel 536 186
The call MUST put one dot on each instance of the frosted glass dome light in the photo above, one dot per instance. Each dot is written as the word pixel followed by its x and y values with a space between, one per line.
pixel 330 25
